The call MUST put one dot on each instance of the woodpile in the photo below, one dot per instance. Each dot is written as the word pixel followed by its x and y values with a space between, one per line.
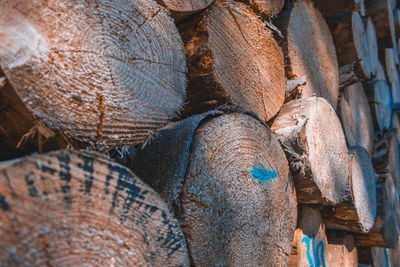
pixel 200 132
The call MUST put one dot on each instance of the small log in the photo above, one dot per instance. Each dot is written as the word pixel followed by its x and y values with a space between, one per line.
pixel 396 124
pixel 102 72
pixel 227 181
pixel 393 74
pixel 341 250
pixel 351 41
pixel 309 50
pixel 313 139
pixel 380 72
pixel 385 232
pixel 267 8
pixel 181 9
pixel 309 248
pixel 394 161
pixel 356 117
pixel 381 257
pixel 333 7
pixel 373 46
pixel 70 208
pixel 358 212
pixel 233 59
pixel 380 99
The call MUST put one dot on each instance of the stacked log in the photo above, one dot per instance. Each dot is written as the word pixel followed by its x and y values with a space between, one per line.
pixel 287 103
pixel 75 208
pixel 227 180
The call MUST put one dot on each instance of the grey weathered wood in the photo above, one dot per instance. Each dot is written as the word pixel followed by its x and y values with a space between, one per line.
pixel 316 148
pixel 393 74
pixel 226 178
pixel 108 73
pixel 70 208
pixel 181 9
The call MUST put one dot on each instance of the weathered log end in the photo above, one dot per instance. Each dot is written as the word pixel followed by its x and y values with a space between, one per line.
pixel 316 149
pixel 341 250
pixel 74 208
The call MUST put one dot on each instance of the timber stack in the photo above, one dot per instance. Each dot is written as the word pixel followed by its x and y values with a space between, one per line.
pixel 200 132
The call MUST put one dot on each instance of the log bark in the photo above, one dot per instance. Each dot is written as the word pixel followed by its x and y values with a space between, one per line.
pixel 267 8
pixel 227 181
pixel 233 59
pixel 313 139
pixel 356 118
pixel 386 229
pixel 358 212
pixel 103 72
pixel 309 50
pixel 351 41
pixel 181 9
pixel 309 248
pixel 341 250
pixel 380 99
pixel 332 7
pixel 393 74
pixel 74 208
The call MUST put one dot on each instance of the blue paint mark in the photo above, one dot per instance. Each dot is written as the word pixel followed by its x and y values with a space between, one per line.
pixel 386 257
pixel 263 175
pixel 318 257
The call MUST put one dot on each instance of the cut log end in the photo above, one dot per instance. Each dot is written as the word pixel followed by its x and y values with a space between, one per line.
pixel 267 8
pixel 316 149
pixel 75 208
pixel 113 81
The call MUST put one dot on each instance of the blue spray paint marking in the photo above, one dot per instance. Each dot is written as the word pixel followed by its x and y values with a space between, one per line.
pixel 318 257
pixel 386 257
pixel 263 175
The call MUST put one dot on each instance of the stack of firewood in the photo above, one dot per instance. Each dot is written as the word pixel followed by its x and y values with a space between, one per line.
pixel 200 132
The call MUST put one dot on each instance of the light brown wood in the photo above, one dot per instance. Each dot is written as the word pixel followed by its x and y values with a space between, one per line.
pixel 316 148
pixel 356 118
pixel 351 41
pixel 267 8
pixel 385 232
pixel 70 208
pixel 341 250
pixel 309 50
pixel 358 212
pixel 309 248
pixel 181 9
pixel 230 190
pixel 109 73
pixel 233 59
pixel 380 99
pixel 373 46
pixel 393 74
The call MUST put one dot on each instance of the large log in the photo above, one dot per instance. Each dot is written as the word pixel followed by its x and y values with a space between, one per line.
pixel 309 248
pixel 383 257
pixel 226 178
pixel 267 8
pixel 108 73
pixel 351 41
pixel 393 74
pixel 233 59
pixel 358 212
pixel 313 140
pixel 380 99
pixel 356 117
pixel 341 250
pixel 69 208
pixel 309 50
pixel 385 232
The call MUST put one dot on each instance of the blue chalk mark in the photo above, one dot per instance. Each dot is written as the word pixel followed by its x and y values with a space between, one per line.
pixel 263 175
pixel 318 257
pixel 386 257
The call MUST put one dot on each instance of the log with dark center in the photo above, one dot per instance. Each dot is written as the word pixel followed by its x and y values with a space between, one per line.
pixel 233 59
pixel 356 118
pixel 316 148
pixel 309 248
pixel 358 212
pixel 108 73
pixel 314 56
pixel 69 208
pixel 226 178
